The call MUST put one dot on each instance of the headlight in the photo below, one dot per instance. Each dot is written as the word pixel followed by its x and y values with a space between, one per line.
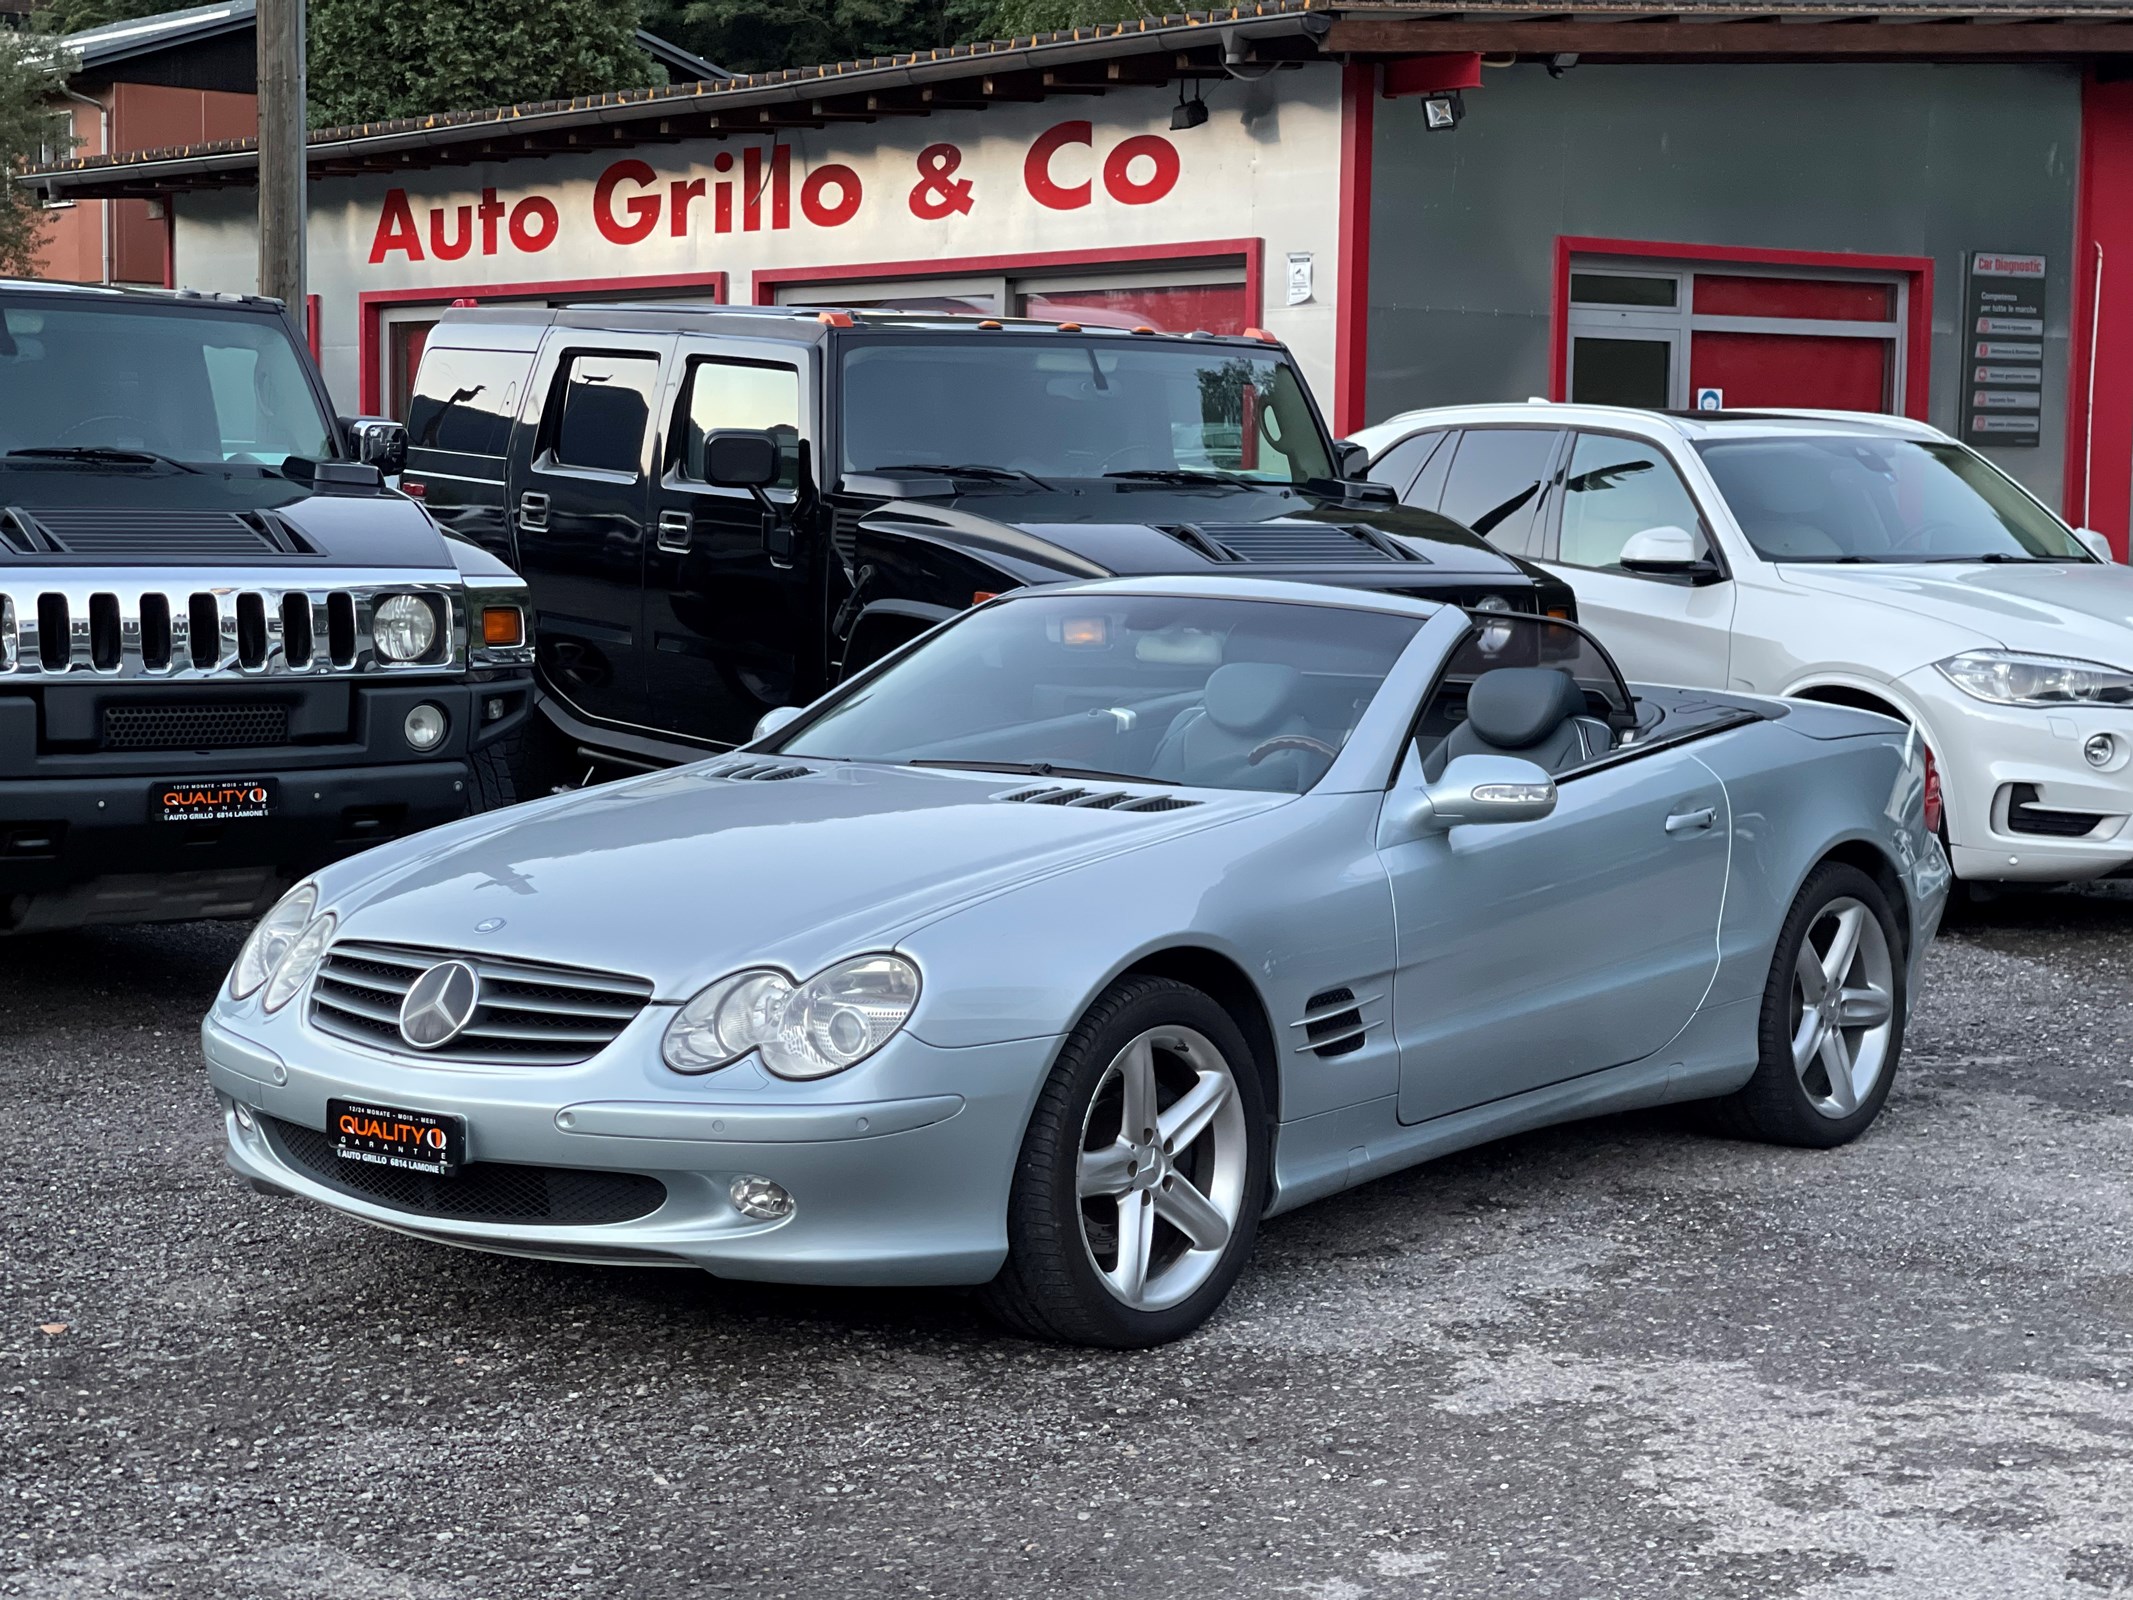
pixel 301 961
pixel 270 941
pixel 2010 678
pixel 404 627
pixel 836 1019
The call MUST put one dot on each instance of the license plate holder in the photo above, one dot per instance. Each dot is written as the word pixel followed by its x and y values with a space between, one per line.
pixel 434 1142
pixel 215 799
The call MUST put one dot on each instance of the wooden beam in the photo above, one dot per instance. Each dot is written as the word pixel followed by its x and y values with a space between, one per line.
pixel 1402 36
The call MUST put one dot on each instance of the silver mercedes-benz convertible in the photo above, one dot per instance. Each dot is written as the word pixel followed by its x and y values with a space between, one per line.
pixel 1054 952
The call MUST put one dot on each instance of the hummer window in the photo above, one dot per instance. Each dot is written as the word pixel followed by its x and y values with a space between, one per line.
pixel 466 401
pixel 742 394
pixel 1068 408
pixel 603 406
pixel 198 388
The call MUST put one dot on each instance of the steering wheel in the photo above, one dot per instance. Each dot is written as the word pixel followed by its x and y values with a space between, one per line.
pixel 71 430
pixel 1108 463
pixel 1918 534
pixel 1290 741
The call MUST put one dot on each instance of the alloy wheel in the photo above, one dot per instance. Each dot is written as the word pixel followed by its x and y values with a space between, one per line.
pixel 1843 1007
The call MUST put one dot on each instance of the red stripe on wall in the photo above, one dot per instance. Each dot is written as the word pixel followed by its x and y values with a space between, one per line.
pixel 2099 407
pixel 1351 304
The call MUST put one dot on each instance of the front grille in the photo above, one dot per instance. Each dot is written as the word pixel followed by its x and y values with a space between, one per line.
pixel 232 725
pixel 2024 815
pixel 527 1015
pixel 481 1191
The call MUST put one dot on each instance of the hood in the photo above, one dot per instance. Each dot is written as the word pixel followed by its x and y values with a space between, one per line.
pixel 240 517
pixel 2082 609
pixel 1131 530
pixel 685 875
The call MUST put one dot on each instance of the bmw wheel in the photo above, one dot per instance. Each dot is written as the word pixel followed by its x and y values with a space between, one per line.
pixel 1137 1194
pixel 1832 1018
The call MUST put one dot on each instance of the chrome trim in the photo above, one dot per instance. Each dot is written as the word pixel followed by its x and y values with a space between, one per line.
pixel 233 594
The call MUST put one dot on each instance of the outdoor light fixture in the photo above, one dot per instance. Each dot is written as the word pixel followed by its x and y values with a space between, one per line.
pixel 1560 64
pixel 1442 110
pixel 1188 113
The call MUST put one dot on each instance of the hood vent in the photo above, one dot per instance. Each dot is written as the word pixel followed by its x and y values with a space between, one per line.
pixel 1096 799
pixel 1333 1024
pixel 147 533
pixel 1292 544
pixel 758 771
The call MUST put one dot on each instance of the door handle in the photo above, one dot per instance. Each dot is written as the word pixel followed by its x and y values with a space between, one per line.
pixel 675 530
pixel 533 511
pixel 1692 821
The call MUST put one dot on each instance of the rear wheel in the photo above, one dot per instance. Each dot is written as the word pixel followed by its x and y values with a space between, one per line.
pixel 1832 1018
pixel 1137 1195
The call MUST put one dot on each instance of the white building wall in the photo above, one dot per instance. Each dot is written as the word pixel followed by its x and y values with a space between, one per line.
pixel 1265 167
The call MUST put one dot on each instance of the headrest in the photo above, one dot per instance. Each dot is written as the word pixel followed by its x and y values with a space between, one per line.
pixel 1514 708
pixel 1249 696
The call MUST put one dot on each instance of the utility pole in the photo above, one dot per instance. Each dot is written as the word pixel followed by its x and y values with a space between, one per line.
pixel 281 151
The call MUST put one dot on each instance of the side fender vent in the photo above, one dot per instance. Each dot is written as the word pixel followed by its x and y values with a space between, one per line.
pixel 1094 799
pixel 1332 1023
pixel 758 771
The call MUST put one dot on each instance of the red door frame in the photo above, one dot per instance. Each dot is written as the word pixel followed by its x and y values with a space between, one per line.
pixel 765 282
pixel 1351 293
pixel 371 302
pixel 1918 299
pixel 2099 401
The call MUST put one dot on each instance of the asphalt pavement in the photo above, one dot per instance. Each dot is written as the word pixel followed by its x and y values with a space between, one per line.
pixel 1620 1358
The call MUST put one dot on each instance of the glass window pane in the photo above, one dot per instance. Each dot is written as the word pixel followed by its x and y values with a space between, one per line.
pixel 1617 488
pixel 736 394
pixel 1403 463
pixel 465 400
pixel 1622 372
pixel 1495 483
pixel 1621 289
pixel 606 403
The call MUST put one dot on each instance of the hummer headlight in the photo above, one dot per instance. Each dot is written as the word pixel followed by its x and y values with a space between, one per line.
pixel 405 627
pixel 834 1020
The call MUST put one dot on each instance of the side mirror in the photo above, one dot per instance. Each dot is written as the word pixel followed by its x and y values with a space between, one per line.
pixel 1476 789
pixel 741 458
pixel 1350 460
pixel 1666 551
pixel 380 442
pixel 772 720
pixel 2096 544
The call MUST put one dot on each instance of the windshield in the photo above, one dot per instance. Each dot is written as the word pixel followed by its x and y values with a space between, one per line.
pixel 1860 498
pixel 190 386
pixel 1223 694
pixel 1062 407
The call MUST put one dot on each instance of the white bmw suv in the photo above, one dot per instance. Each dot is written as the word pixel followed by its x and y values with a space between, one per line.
pixel 1866 560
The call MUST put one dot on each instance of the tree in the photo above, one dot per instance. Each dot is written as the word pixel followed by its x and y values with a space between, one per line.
pixel 29 134
pixel 76 16
pixel 372 60
pixel 764 35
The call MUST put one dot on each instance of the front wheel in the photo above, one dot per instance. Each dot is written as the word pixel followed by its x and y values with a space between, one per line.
pixel 1832 1019
pixel 1137 1195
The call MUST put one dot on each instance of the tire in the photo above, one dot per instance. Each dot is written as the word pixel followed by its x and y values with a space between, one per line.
pixel 490 783
pixel 1069 1272
pixel 536 760
pixel 1801 1093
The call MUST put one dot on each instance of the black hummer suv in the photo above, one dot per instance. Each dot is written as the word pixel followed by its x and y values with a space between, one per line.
pixel 228 653
pixel 721 511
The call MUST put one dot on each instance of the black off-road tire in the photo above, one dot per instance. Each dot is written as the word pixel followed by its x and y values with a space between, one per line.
pixel 1772 1106
pixel 1050 1288
pixel 490 783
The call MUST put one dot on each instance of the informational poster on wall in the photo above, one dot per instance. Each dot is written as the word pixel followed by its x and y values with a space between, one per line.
pixel 2004 323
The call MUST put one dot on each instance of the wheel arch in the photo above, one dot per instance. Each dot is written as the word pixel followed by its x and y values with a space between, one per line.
pixel 1869 857
pixel 1861 697
pixel 1222 980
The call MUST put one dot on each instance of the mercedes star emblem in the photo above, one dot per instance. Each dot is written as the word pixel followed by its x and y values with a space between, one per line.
pixel 440 1004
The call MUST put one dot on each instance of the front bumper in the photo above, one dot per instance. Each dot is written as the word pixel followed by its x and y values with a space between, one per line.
pixel 899 1170
pixel 1991 757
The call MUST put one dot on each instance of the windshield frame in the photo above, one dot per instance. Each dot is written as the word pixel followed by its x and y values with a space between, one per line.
pixel 1045 335
pixel 1938 447
pixel 150 303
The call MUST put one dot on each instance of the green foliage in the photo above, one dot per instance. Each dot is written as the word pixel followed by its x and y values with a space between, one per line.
pixel 371 60
pixel 29 134
pixel 77 16
pixel 763 35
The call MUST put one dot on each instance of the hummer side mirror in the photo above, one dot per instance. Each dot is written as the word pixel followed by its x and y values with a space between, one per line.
pixel 741 458
pixel 380 442
pixel 1350 459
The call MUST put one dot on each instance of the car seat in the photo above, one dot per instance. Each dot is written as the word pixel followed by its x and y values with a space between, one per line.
pixel 1535 713
pixel 1780 506
pixel 1244 704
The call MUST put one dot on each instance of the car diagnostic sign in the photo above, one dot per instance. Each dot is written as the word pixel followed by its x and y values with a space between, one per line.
pixel 2004 343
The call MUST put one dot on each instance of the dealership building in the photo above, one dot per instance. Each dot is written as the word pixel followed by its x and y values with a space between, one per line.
pixel 1917 208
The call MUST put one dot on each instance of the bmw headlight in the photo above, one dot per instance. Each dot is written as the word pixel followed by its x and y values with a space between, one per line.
pixel 2011 678
pixel 834 1020
pixel 404 627
pixel 270 941
pixel 301 961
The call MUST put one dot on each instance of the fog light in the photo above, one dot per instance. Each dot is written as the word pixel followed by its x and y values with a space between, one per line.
pixel 493 708
pixel 244 1115
pixel 2099 750
pixel 424 727
pixel 760 1198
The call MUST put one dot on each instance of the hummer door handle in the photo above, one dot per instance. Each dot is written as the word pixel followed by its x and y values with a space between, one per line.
pixel 533 511
pixel 675 530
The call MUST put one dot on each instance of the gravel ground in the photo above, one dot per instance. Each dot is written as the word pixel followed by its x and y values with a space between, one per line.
pixel 1614 1359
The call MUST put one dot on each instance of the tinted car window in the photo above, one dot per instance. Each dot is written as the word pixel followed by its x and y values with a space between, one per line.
pixel 1616 488
pixel 605 403
pixel 1495 482
pixel 1398 467
pixel 742 394
pixel 465 400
